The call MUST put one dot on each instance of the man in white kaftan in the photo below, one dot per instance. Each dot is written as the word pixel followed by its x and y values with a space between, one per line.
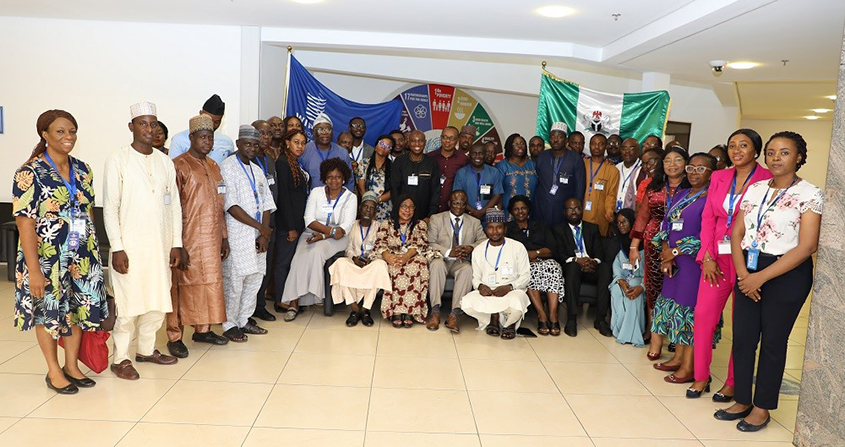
pixel 143 220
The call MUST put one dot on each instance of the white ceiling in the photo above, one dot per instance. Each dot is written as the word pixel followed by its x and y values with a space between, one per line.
pixel 677 37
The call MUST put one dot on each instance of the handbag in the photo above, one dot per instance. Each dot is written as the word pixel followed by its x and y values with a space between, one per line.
pixel 108 323
pixel 93 350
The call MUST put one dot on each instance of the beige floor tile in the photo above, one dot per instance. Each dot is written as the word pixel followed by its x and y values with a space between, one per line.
pixel 30 361
pixel 288 437
pixel 23 393
pixel 626 417
pixel 395 342
pixel 795 357
pixel 5 423
pixel 594 378
pixel 32 432
pixel 654 381
pixel 785 414
pixel 276 340
pixel 389 439
pixel 472 344
pixel 430 411
pixel 627 354
pixel 583 348
pixel 795 373
pixel 499 375
pixel 499 412
pixel 328 369
pixel 338 342
pixel 744 443
pixel 644 442
pixel 721 355
pixel 515 440
pixel 152 371
pixel 306 406
pixel 418 373
pixel 9 349
pixel 214 403
pixel 8 332
pixel 337 322
pixel 239 366
pixel 697 416
pixel 107 401
pixel 183 435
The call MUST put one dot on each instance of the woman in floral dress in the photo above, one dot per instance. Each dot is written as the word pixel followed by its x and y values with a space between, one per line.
pixel 374 175
pixel 59 286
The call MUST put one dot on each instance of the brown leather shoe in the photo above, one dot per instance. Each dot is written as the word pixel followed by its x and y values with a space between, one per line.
pixel 453 324
pixel 125 370
pixel 433 322
pixel 157 358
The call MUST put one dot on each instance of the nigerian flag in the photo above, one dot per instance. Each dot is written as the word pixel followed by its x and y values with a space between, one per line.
pixel 632 115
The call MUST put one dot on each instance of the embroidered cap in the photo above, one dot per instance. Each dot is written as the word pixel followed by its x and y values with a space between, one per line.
pixel 142 109
pixel 322 118
pixel 369 195
pixel 247 132
pixel 495 215
pixel 200 122
pixel 559 125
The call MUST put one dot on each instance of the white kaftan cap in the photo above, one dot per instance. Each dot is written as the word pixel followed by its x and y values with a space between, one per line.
pixel 560 125
pixel 322 118
pixel 142 109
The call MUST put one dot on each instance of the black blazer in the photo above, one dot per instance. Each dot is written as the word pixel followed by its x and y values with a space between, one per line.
pixel 538 237
pixel 290 206
pixel 566 242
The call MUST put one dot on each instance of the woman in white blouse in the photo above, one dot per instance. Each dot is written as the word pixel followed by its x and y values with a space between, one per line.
pixel 775 235
pixel 329 215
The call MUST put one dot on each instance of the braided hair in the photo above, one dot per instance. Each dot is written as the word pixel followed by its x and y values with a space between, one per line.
pixel 292 163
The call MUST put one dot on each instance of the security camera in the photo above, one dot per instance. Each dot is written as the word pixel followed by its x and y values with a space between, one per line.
pixel 717 67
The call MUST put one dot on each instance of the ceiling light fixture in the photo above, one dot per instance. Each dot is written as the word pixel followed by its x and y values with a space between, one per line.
pixel 308 2
pixel 742 65
pixel 831 97
pixel 812 117
pixel 821 110
pixel 554 11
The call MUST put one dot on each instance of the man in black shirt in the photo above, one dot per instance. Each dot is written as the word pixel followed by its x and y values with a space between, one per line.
pixel 415 174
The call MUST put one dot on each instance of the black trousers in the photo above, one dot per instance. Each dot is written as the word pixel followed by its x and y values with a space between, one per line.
pixel 769 322
pixel 573 276
pixel 260 300
pixel 283 254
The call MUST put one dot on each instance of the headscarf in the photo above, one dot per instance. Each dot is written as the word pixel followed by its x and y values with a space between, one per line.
pixel 624 239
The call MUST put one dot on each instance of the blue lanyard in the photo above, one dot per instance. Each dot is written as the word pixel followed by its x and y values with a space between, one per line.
pixel 498 257
pixel 594 174
pixel 733 197
pixel 557 167
pixel 254 189
pixel 680 205
pixel 329 217
pixel 456 232
pixel 363 238
pixel 625 182
pixel 360 153
pixel 320 153
pixel 70 185
pixel 263 165
pixel 404 236
pixel 479 177
pixel 761 214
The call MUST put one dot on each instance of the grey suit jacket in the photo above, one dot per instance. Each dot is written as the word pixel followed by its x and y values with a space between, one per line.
pixel 440 232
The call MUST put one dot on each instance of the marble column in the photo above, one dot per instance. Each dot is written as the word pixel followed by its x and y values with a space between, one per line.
pixel 821 407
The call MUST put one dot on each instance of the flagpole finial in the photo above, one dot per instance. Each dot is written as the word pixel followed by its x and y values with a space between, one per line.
pixel 290 48
pixel 544 65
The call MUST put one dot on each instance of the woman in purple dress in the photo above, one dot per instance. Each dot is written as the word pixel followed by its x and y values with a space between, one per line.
pixel 679 242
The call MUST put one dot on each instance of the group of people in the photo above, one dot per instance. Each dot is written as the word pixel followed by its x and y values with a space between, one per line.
pixel 664 235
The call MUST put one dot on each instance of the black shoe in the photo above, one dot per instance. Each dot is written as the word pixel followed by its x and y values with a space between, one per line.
pixel 719 397
pixel 210 337
pixel 747 427
pixel 251 321
pixel 353 319
pixel 80 383
pixel 695 394
pixel 671 347
pixel 367 319
pixel 571 328
pixel 177 349
pixel 70 389
pixel 264 314
pixel 279 309
pixel 723 415
pixel 603 328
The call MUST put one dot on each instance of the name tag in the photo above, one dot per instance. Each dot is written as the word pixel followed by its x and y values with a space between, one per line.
pixel 413 180
pixel 491 280
pixel 327 208
pixel 627 266
pixel 167 198
pixel 442 180
pixel 221 189
pixel 485 189
pixel 588 205
pixel 553 190
pixel 368 247
pixel 725 246
pixel 678 225
pixel 564 180
pixel 580 254
pixel 753 257
pixel 507 270
pixel 599 186
pixel 270 180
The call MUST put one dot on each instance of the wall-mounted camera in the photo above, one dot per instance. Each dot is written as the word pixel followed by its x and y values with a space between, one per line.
pixel 717 67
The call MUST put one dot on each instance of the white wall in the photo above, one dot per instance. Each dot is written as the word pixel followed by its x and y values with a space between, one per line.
pixel 96 70
pixel 817 134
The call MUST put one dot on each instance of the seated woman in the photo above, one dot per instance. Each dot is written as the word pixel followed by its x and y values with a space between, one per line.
pixel 546 273
pixel 356 278
pixel 402 242
pixel 330 213
pixel 627 316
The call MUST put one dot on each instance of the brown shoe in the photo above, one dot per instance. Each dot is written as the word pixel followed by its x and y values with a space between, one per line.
pixel 433 321
pixel 125 370
pixel 157 358
pixel 453 324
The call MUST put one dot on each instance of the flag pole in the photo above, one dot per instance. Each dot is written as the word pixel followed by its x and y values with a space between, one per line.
pixel 287 83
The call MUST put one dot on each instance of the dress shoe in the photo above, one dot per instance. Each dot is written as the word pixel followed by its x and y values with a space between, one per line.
pixel 84 382
pixel 125 370
pixel 571 328
pixel 695 394
pixel 367 319
pixel 157 358
pixel 603 328
pixel 254 329
pixel 177 349
pixel 748 427
pixel 672 378
pixel 433 323
pixel 721 397
pixel 354 318
pixel 723 415
pixel 664 367
pixel 264 314
pixel 69 389
pixel 279 309
pixel 453 324
pixel 210 337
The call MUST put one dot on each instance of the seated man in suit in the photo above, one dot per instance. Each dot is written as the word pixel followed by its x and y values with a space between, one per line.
pixel 454 234
pixel 582 255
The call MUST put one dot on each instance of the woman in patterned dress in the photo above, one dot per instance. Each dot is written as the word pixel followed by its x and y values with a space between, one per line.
pixel 374 175
pixel 402 242
pixel 518 170
pixel 59 286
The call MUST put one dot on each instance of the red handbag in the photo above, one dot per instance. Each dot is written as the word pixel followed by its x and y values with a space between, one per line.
pixel 93 351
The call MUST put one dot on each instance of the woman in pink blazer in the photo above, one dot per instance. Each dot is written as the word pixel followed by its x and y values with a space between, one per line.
pixel 727 188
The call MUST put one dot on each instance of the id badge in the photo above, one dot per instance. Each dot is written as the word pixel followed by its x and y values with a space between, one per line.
pixel 413 180
pixel 507 270
pixel 627 266
pixel 553 190
pixel 270 180
pixel 564 180
pixel 491 280
pixel 588 205
pixel 327 209
pixel 725 246
pixel 78 226
pixel 442 180
pixel 618 205
pixel 753 257
pixel 485 189
pixel 167 198
pixel 478 205
pixel 678 225
pixel 599 186
pixel 73 240
pixel 368 247
pixel 221 189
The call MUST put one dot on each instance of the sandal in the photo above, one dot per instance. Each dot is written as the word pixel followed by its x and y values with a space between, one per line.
pixel 543 327
pixel 554 328
pixel 408 321
pixel 492 331
pixel 508 333
pixel 291 314
pixel 397 321
pixel 234 334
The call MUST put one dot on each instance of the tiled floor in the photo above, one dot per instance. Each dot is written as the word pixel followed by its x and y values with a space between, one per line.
pixel 315 382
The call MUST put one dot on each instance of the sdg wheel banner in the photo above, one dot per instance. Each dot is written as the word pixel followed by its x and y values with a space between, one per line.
pixel 432 107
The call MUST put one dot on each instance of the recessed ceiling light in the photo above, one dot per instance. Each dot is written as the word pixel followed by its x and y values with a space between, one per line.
pixel 821 110
pixel 554 11
pixel 812 117
pixel 307 2
pixel 742 65
pixel 831 97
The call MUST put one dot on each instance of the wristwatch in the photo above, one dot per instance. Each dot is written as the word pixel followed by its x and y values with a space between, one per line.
pixel 675 252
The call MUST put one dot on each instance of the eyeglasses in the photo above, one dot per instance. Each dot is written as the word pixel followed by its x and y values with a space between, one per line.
pixel 357 126
pixel 697 169
pixel 323 129
pixel 573 208
pixel 676 161
pixel 407 206
pixel 448 137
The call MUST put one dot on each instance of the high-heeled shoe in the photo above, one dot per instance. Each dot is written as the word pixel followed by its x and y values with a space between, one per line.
pixel 693 393
pixel 724 415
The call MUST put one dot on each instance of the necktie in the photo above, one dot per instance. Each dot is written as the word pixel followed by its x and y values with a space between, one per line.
pixel 578 243
pixel 456 232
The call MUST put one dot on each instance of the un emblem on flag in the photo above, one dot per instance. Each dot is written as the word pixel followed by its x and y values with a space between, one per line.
pixel 596 120
pixel 419 111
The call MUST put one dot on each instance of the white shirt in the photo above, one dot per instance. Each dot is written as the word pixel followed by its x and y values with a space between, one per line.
pixel 513 270
pixel 626 173
pixel 778 232
pixel 343 213
pixel 357 151
pixel 584 252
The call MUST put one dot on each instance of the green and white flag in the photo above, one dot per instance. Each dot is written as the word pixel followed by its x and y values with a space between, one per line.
pixel 632 115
